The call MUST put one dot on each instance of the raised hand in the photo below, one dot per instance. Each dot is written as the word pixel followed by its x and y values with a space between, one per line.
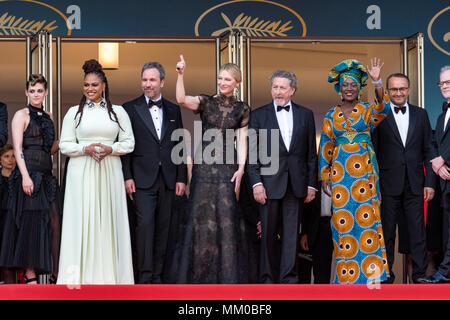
pixel 375 68
pixel 181 65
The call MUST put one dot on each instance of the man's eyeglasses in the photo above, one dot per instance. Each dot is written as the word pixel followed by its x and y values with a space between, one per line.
pixel 394 90
pixel 444 83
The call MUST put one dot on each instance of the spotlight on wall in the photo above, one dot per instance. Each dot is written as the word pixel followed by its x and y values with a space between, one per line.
pixel 108 55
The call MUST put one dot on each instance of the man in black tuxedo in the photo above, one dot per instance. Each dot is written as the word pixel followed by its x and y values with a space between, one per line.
pixel 3 124
pixel 441 166
pixel 402 145
pixel 289 179
pixel 150 173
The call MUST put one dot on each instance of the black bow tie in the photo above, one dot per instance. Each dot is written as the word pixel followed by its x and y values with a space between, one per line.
pixel 397 109
pixel 445 106
pixel 152 103
pixel 279 108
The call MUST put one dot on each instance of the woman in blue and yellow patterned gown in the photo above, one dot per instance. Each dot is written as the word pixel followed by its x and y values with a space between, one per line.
pixel 349 173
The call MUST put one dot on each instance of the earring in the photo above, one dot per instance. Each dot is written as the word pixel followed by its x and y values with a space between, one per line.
pixel 340 95
pixel 359 97
pixel 236 91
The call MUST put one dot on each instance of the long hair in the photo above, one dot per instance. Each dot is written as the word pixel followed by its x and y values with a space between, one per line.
pixel 93 66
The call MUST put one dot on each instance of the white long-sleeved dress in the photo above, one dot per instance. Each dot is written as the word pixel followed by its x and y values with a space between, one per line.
pixel 95 244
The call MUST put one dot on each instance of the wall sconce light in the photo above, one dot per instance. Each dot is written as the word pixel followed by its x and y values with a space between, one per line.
pixel 108 55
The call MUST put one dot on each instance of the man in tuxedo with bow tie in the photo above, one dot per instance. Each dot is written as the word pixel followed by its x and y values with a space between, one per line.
pixel 150 174
pixel 281 194
pixel 3 124
pixel 402 146
pixel 441 164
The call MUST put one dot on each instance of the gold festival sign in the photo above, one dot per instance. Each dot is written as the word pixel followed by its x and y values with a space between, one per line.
pixel 445 37
pixel 21 26
pixel 253 26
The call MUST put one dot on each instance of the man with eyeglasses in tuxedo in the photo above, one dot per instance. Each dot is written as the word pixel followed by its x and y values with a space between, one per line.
pixel 441 164
pixel 402 146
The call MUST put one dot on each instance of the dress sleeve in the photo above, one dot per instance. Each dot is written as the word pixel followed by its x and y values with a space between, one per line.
pixel 327 145
pixel 203 103
pixel 68 143
pixel 377 112
pixel 245 116
pixel 125 139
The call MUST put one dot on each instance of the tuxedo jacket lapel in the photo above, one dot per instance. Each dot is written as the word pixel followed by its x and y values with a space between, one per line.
pixel 391 121
pixel 295 123
pixel 446 129
pixel 165 122
pixel 412 124
pixel 143 112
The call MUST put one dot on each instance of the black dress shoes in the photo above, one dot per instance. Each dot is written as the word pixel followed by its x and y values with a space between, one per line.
pixel 437 277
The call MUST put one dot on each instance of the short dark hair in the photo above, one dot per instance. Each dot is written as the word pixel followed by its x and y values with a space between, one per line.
pixel 7 147
pixel 36 78
pixel 397 75
pixel 155 65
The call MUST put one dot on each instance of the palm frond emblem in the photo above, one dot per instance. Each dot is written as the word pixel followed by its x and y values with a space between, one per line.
pixel 10 25
pixel 254 27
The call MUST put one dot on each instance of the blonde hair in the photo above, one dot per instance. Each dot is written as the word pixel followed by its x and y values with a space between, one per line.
pixel 233 69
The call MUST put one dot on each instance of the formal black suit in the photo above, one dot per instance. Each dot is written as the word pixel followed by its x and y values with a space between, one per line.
pixel 441 145
pixel 3 124
pixel 320 242
pixel 155 176
pixel 402 180
pixel 285 189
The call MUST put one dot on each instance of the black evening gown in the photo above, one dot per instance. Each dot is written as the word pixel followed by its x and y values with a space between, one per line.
pixel 212 251
pixel 31 234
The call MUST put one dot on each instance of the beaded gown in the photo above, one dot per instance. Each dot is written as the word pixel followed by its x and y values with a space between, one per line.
pixel 212 251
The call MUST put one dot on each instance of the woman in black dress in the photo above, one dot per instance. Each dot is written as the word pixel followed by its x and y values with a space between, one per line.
pixel 7 164
pixel 32 227
pixel 212 251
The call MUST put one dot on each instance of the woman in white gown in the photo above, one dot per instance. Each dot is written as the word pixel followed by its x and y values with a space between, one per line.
pixel 95 244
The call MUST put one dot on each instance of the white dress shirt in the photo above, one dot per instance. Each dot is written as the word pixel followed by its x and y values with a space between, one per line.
pixel 286 123
pixel 157 116
pixel 402 121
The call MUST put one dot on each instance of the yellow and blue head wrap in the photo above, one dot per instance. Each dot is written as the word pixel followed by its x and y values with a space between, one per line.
pixel 349 68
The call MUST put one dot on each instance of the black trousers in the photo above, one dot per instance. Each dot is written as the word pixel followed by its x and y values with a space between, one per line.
pixel 280 221
pixel 444 267
pixel 411 206
pixel 321 254
pixel 153 217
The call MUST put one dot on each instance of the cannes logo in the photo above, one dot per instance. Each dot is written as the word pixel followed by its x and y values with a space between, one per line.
pixel 43 19
pixel 440 23
pixel 238 16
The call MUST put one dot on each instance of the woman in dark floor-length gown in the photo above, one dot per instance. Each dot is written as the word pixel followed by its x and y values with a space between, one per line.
pixel 212 248
pixel 31 234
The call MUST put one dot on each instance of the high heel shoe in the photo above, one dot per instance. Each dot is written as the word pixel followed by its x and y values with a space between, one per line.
pixel 52 279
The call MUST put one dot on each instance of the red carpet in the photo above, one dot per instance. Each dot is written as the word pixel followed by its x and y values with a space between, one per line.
pixel 225 292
